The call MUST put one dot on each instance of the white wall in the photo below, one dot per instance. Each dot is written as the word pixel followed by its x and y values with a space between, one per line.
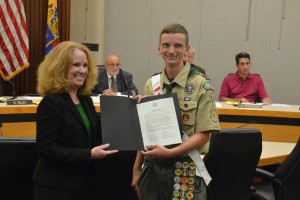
pixel 219 29
pixel 87 24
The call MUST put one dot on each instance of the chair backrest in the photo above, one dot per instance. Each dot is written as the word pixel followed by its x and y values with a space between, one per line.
pixel 1 91
pixel 286 184
pixel 18 158
pixel 231 161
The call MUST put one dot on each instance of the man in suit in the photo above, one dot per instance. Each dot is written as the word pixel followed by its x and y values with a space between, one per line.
pixel 190 58
pixel 114 81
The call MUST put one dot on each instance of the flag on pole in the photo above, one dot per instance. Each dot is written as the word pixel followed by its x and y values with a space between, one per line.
pixel 52 33
pixel 14 46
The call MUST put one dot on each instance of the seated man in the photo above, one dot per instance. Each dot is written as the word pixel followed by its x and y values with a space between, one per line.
pixel 243 86
pixel 114 81
pixel 190 58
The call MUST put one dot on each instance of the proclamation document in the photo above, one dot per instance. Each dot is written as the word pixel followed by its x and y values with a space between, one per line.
pixel 158 122
pixel 128 126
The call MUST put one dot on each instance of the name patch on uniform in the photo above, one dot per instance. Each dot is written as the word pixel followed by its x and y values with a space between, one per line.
pixel 187 98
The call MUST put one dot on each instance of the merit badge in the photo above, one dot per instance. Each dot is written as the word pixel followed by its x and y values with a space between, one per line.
pixel 178 164
pixel 208 86
pixel 176 186
pixel 189 195
pixel 184 180
pixel 182 194
pixel 214 116
pixel 177 179
pixel 183 187
pixel 176 193
pixel 186 105
pixel 189 88
pixel 191 181
pixel 185 117
pixel 191 188
pixel 185 172
pixel 185 165
pixel 192 165
pixel 192 172
pixel 178 172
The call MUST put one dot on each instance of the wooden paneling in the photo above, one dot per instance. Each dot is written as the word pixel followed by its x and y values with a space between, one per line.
pixel 36 16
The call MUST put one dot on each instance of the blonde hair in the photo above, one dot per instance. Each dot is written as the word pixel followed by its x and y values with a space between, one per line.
pixel 52 72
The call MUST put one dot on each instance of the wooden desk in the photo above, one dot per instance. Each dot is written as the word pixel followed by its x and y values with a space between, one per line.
pixel 277 123
pixel 274 152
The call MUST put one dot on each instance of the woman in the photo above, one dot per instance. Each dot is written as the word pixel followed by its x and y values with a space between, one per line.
pixel 68 133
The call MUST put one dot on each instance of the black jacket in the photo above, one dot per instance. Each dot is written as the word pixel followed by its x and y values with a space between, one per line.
pixel 62 141
pixel 122 86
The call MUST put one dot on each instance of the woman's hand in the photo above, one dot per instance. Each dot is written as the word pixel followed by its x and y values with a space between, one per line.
pixel 100 152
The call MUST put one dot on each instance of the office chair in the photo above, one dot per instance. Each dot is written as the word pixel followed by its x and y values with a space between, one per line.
pixel 231 161
pixel 285 180
pixel 18 158
pixel 1 93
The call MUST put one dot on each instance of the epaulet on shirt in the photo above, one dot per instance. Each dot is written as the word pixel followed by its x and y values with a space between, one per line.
pixel 194 70
pixel 156 73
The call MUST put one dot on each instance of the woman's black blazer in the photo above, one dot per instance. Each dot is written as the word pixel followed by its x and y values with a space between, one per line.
pixel 62 141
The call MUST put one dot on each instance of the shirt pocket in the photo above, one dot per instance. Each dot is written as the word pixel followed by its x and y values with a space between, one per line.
pixel 188 112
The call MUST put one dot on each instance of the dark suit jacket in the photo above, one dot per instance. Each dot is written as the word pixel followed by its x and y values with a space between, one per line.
pixel 62 141
pixel 122 87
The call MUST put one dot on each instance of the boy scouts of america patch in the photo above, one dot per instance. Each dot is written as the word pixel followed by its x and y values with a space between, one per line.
pixel 189 88
pixel 208 86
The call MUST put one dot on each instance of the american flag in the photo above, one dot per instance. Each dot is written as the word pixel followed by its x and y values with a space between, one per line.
pixel 14 47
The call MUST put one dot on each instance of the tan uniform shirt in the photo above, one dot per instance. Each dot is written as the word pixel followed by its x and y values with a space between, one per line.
pixel 196 101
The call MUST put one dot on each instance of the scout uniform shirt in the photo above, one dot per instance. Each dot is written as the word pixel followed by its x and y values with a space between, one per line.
pixel 196 101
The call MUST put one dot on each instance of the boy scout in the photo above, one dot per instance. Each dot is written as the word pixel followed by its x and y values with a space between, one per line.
pixel 178 172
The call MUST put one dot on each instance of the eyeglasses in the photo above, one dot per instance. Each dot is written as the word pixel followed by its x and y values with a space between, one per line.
pixel 114 65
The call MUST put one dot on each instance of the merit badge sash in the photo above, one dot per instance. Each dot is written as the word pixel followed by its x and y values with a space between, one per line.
pixel 184 179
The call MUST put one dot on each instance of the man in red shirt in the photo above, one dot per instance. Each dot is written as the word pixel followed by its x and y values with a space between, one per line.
pixel 243 86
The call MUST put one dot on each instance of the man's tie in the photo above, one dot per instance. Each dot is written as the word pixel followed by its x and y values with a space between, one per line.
pixel 169 87
pixel 114 87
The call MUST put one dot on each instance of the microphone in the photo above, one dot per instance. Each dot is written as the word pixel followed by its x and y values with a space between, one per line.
pixel 255 92
pixel 253 121
pixel 14 96
pixel 126 84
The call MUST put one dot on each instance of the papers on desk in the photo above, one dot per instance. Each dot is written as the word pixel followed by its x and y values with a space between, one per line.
pixel 235 103
pixel 3 100
pixel 35 99
pixel 218 105
pixel 96 99
pixel 279 105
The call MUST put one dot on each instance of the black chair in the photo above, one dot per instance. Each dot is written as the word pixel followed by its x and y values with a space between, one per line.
pixel 18 159
pixel 231 161
pixel 1 93
pixel 285 180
